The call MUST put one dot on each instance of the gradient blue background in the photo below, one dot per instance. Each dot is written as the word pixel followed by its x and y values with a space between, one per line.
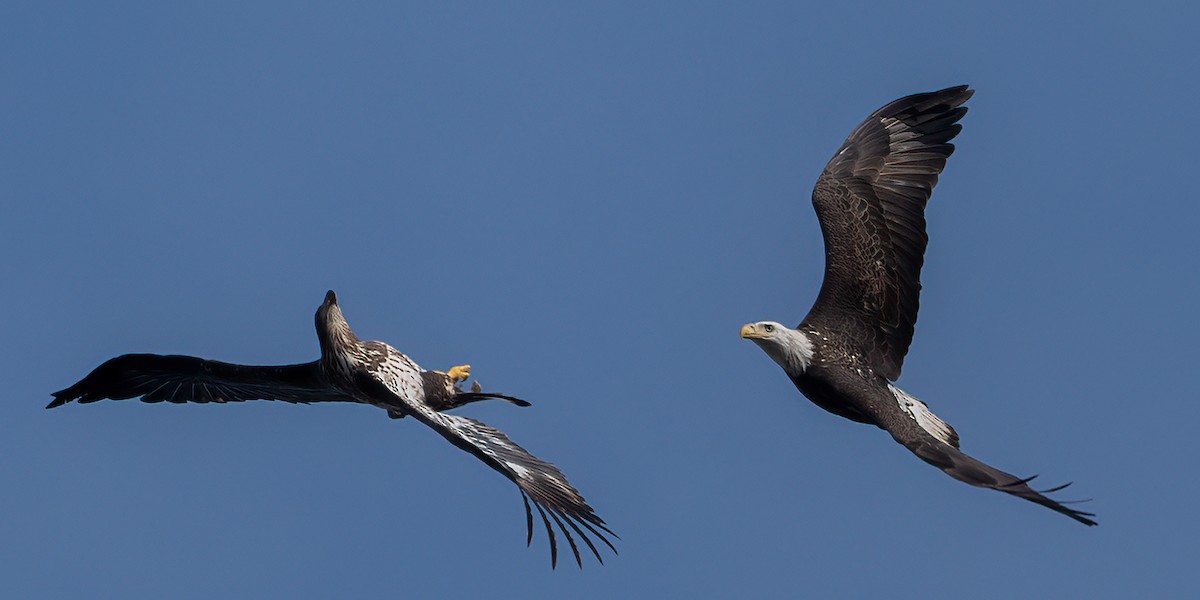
pixel 585 203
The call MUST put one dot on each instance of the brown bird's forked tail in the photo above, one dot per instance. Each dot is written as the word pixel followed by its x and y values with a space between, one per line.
pixel 462 398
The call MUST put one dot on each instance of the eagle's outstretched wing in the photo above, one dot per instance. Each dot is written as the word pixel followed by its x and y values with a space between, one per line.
pixel 917 429
pixel 977 473
pixel 156 378
pixel 870 201
pixel 396 382
pixel 537 479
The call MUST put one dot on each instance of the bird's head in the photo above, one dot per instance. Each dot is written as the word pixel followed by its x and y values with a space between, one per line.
pixel 331 324
pixel 329 310
pixel 786 346
pixel 762 331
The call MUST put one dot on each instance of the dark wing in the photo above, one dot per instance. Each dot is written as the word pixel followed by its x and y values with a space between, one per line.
pixel 966 469
pixel 538 480
pixel 397 385
pixel 904 429
pixel 870 201
pixel 156 378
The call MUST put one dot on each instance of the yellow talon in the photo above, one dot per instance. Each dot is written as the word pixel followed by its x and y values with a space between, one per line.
pixel 459 373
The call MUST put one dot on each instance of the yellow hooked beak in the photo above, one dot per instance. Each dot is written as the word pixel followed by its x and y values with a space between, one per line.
pixel 750 332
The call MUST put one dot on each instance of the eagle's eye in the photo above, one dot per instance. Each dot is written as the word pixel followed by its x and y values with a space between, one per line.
pixel 770 328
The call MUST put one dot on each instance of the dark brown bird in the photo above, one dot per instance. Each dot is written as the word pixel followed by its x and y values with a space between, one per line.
pixel 350 370
pixel 845 354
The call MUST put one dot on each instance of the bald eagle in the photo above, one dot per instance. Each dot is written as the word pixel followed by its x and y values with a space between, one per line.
pixel 350 370
pixel 870 201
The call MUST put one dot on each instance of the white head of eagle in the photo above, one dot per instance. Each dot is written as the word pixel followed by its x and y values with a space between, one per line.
pixel 788 347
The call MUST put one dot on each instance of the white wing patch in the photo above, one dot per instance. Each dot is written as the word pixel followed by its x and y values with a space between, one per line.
pixel 518 470
pixel 926 419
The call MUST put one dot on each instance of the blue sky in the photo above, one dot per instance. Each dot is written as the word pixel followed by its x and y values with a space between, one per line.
pixel 585 203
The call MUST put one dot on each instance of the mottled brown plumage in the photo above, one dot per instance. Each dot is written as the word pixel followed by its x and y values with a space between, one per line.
pixel 351 370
